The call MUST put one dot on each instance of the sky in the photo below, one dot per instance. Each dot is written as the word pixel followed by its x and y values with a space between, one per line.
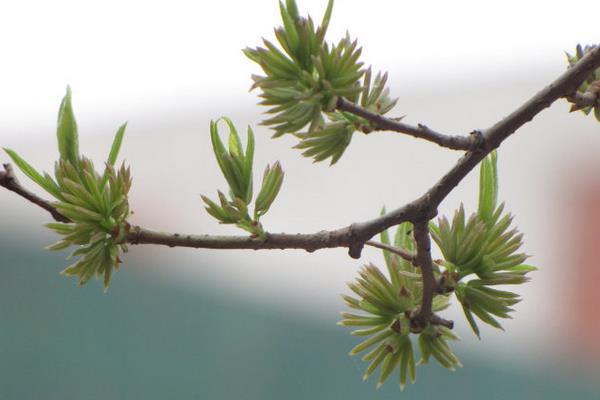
pixel 126 57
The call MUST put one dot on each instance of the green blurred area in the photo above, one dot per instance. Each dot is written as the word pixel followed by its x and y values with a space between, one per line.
pixel 148 339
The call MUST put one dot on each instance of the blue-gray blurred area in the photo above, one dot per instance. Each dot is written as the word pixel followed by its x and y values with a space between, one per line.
pixel 154 339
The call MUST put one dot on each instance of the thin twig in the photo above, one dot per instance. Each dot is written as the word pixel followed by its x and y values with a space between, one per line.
pixel 408 256
pixel 9 181
pixel 420 131
pixel 437 320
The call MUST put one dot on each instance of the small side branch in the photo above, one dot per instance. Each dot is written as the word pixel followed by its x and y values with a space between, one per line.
pixel 9 181
pixel 408 256
pixel 437 320
pixel 424 261
pixel 420 131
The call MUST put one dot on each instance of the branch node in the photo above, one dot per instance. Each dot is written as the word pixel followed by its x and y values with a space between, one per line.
pixel 477 140
pixel 437 320
pixel 134 235
pixel 355 243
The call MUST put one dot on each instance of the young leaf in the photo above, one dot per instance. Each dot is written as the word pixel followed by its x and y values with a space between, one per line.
pixel 330 141
pixel 292 9
pixel 289 29
pixel 325 21
pixel 272 181
pixel 66 132
pixel 236 169
pixel 488 188
pixel 235 143
pixel 114 151
pixel 116 145
pixel 45 182
pixel 248 161
pixel 224 160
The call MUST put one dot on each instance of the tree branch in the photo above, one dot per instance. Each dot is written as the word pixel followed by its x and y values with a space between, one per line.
pixel 392 249
pixel 424 261
pixel 420 131
pixel 282 241
pixel 419 211
pixel 491 138
pixel 9 181
pixel 355 236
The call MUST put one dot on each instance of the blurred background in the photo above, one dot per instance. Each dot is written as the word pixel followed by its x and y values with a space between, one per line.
pixel 186 324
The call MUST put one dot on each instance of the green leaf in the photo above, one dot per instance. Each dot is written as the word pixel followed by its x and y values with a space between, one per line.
pixel 116 145
pixel 77 213
pixel 272 181
pixel 384 236
pixel 389 364
pixel 91 180
pixel 329 141
pixel 218 147
pixel 290 29
pixel 442 353
pixel 235 164
pixel 248 162
pixel 235 143
pixel 82 193
pixel 377 357
pixel 488 188
pixel 325 21
pixel 371 341
pixel 66 132
pixel 522 269
pixel 45 182
pixel 403 237
pixel 60 228
pixel 225 161
pixel 60 245
pixel 217 212
pixel 292 9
